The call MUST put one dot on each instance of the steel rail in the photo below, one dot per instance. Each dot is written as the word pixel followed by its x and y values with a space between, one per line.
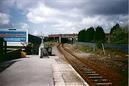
pixel 91 76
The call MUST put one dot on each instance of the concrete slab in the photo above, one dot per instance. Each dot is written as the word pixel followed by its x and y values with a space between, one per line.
pixel 64 74
pixel 31 71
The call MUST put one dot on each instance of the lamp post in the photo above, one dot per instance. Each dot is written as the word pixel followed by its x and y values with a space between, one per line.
pixel 42 42
pixel 41 45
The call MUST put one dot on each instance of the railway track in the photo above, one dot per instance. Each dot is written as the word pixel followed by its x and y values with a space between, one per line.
pixel 89 74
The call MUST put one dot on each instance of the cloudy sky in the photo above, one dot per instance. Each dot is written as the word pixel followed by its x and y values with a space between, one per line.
pixel 62 16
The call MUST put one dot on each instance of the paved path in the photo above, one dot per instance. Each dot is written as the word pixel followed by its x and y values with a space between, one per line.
pixel 31 71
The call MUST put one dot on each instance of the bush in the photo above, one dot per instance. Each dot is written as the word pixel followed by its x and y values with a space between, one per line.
pixel 99 44
pixel 23 54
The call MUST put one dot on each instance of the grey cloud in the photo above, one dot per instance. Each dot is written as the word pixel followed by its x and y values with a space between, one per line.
pixel 6 26
pixel 5 5
pixel 113 11
pixel 93 7
pixel 111 7
pixel 87 7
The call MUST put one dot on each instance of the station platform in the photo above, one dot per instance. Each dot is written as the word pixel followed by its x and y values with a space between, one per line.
pixel 35 71
pixel 31 71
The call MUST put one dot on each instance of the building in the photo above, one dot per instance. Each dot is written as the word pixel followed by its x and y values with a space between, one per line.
pixel 59 37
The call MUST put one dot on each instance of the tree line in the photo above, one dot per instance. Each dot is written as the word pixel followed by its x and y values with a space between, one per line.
pixel 117 35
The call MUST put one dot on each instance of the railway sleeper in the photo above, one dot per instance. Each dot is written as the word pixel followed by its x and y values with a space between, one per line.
pixel 100 80
pixel 89 72
pixel 95 77
pixel 103 84
pixel 86 69
pixel 93 74
pixel 83 66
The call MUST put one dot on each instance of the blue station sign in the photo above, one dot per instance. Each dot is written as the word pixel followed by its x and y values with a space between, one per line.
pixel 14 36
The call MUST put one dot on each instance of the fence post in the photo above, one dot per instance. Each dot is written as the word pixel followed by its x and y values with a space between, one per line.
pixel 103 49
pixel 94 48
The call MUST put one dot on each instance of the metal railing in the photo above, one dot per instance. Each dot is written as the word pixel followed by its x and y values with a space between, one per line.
pixel 6 55
pixel 3 49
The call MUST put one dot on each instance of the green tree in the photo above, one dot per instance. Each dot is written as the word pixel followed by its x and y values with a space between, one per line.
pixel 117 26
pixel 119 36
pixel 81 35
pixel 99 35
pixel 90 34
